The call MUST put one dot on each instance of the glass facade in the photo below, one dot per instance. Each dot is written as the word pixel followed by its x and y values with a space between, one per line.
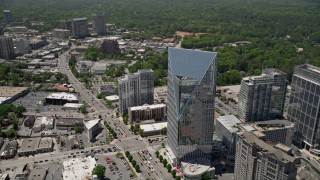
pixel 304 105
pixel 191 94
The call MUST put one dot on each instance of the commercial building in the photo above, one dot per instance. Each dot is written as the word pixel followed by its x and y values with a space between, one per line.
pixel 38 43
pixel 1 31
pixel 61 98
pixel 8 18
pixel 255 159
pixel 71 106
pixel 8 94
pixel 146 112
pixel 136 89
pixel 228 131
pixel 196 168
pixel 262 97
pixel 38 173
pixel 79 27
pixel 43 122
pixel 99 24
pixel 99 68
pixel 154 129
pixel 68 123
pixel 61 33
pixel 113 98
pixel 9 150
pixel 6 48
pixel 22 46
pixel 190 108
pixel 304 106
pixel 110 47
pixel 32 146
pixel 84 66
pixel 272 131
pixel 92 128
pixel 107 89
pixel 78 168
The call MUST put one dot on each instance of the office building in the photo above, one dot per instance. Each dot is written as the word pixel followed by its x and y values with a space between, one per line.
pixel 228 131
pixel 6 48
pixel 61 98
pixel 79 27
pixel 110 47
pixel 1 31
pixel 191 99
pixel 262 97
pixel 61 33
pixel 8 18
pixel 255 159
pixel 136 89
pixel 304 106
pixel 272 131
pixel 147 112
pixel 92 128
pixel 99 24
pixel 22 46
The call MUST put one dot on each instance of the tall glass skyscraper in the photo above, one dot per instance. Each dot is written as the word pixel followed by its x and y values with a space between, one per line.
pixel 191 94
pixel 304 106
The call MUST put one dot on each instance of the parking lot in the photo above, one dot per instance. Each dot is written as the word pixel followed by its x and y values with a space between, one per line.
pixel 116 167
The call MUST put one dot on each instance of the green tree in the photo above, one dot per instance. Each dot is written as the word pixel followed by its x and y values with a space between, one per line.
pixel 134 162
pixel 11 133
pixel 157 153
pixel 78 130
pixel 160 158
pixel 99 170
pixel 130 158
pixel 174 173
pixel 137 167
pixel 127 153
pixel 169 168
pixel 164 162
pixel 83 109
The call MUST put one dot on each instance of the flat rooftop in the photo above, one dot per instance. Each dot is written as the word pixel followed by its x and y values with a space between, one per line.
pixel 266 125
pixel 112 98
pixel 267 148
pixel 89 124
pixel 64 96
pixel 78 168
pixel 195 167
pixel 153 127
pixel 73 105
pixel 146 106
pixel 29 144
pixel 229 122
pixel 9 91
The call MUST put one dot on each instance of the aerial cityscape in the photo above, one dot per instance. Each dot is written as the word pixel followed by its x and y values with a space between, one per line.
pixel 159 90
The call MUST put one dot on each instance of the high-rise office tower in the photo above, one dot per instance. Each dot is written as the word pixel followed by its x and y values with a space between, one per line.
pixel 255 159
pixel 1 31
pixel 136 89
pixel 79 27
pixel 6 47
pixel 262 97
pixel 7 16
pixel 191 97
pixel 99 24
pixel 304 106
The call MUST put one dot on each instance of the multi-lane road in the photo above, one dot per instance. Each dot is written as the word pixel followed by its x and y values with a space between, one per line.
pixel 127 141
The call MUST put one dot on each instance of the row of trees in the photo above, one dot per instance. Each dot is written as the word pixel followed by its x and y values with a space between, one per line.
pixel 132 161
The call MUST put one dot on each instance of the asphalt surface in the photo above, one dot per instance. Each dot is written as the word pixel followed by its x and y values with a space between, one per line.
pixel 126 141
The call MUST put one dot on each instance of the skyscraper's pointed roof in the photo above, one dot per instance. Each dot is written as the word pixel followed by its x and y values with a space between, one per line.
pixel 190 63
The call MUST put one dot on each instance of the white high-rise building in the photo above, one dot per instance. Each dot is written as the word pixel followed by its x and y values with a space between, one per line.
pixel 136 89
